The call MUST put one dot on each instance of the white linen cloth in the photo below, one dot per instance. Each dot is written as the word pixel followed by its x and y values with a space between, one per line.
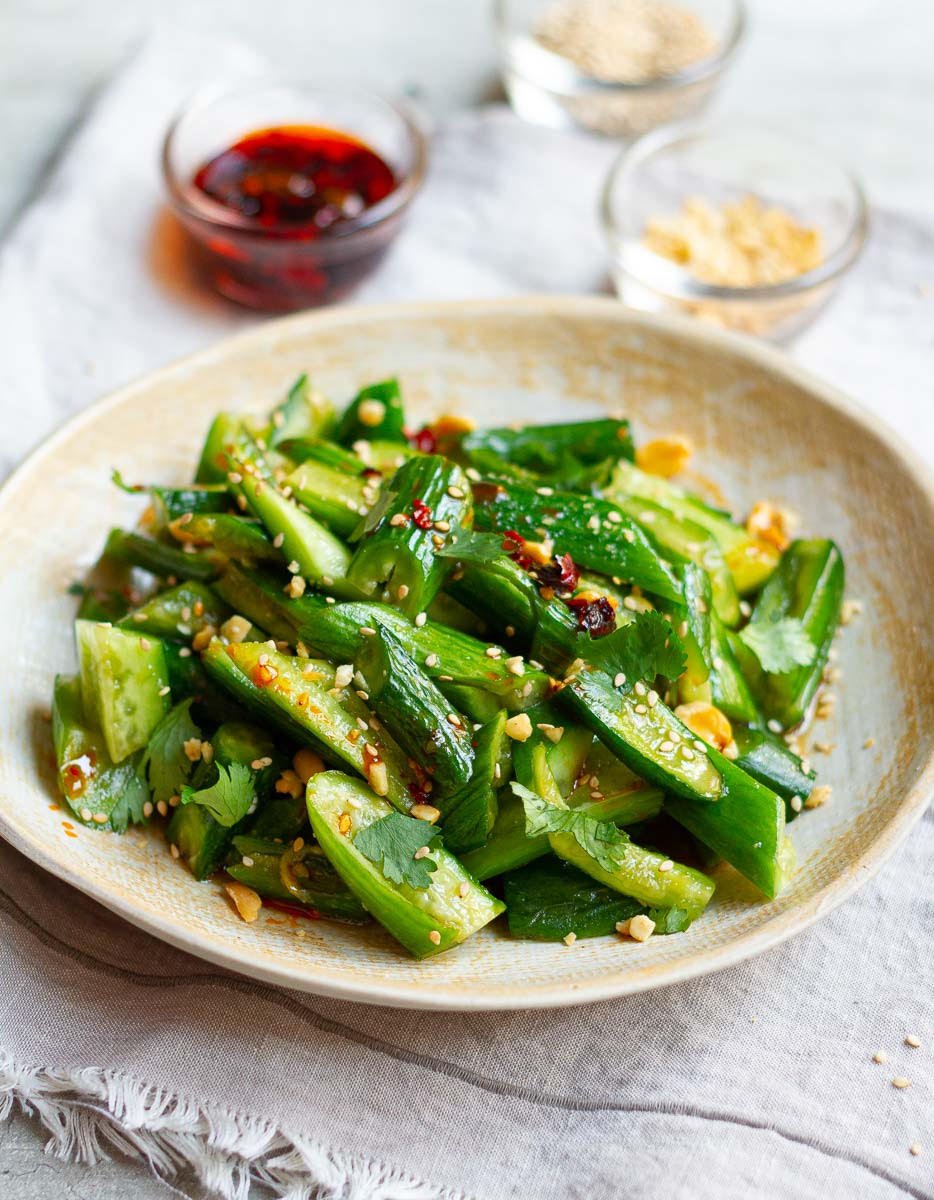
pixel 754 1082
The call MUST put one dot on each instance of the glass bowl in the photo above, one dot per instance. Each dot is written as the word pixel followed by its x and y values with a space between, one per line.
pixel 242 258
pixel 548 89
pixel 724 162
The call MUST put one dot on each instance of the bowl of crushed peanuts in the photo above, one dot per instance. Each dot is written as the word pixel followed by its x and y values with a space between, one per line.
pixel 614 67
pixel 738 225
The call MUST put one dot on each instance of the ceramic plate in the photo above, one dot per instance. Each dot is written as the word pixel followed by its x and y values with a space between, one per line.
pixel 761 427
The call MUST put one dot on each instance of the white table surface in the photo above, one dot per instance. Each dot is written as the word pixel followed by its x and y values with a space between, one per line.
pixel 855 75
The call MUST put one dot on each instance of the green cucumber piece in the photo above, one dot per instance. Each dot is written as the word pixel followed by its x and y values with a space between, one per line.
pixel 93 785
pixel 124 685
pixel 304 877
pixel 471 812
pixel 416 713
pixel 730 691
pixel 375 412
pixel 303 413
pixel 298 696
pixel 553 450
pixel 550 899
pixel 426 921
pixel 766 757
pixel 395 555
pixel 750 560
pixel 332 496
pixel 178 613
pixel 222 440
pixel 653 742
pixel 226 536
pixel 159 558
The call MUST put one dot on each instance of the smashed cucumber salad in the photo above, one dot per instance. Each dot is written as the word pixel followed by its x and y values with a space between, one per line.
pixel 430 678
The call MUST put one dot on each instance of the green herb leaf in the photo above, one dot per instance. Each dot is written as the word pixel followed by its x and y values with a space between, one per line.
pixel 391 843
pixel 229 798
pixel 599 839
pixel 132 489
pixel 165 763
pixel 646 647
pixel 780 645
pixel 129 808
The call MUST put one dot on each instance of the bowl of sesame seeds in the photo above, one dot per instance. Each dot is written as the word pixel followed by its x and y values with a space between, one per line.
pixel 739 225
pixel 614 67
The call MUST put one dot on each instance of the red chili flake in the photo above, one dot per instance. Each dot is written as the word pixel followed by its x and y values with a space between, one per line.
pixel 419 794
pixel 421 514
pixel 562 573
pixel 372 473
pixel 514 545
pixel 595 617
pixel 424 440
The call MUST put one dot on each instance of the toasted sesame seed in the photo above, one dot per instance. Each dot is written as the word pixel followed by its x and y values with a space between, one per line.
pixel 147 809
pixel 431 660
pixel 367 631
pixel 683 629
pixel 164 691
pixel 174 850
pixel 434 937
pixel 425 812
pixel 545 491
pixel 639 689
pixel 510 631
pixel 85 814
pixel 629 535
pixel 667 865
pixel 454 719
pixel 880 1057
pixel 869 743
pixel 593 523
pixel 443 526
pixel 614 517
pixel 278 540
pixel 421 619
pixel 515 665
pixel 642 709
pixel 796 803
pixel 619 680
pixel 162 808
pixel 473 474
pixel 652 699
pixel 421 852
pixel 402 591
pixel 631 603
pixel 915 1149
pixel 913 1041
pixel 901 1082
pixel 493 652
pixel 455 492
pixel 343 676
pixel 145 644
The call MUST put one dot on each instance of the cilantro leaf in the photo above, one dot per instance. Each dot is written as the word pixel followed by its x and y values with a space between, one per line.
pixel 597 838
pixel 165 763
pixel 646 647
pixel 780 645
pixel 229 798
pixel 391 843
pixel 134 793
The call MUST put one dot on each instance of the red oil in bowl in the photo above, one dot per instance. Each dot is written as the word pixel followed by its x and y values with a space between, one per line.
pixel 298 198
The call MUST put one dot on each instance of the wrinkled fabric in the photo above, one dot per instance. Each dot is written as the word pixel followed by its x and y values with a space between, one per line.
pixel 757 1081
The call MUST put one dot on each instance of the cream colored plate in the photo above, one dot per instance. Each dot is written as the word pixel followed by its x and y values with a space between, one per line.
pixel 762 428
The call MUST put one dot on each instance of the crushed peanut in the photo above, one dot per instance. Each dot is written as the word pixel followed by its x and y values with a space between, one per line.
pixel 818 796
pixel 519 727
pixel 664 456
pixel 771 524
pixel 425 812
pixel 245 900
pixel 307 764
pixel 289 784
pixel 741 243
pixel 708 722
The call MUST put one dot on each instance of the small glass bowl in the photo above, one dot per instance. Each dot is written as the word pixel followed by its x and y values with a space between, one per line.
pixel 723 162
pixel 239 257
pixel 548 89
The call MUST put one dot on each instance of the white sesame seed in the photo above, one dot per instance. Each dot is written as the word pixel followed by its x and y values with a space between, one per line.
pixel 421 619
pixel 796 803
pixel 593 523
pixel 667 865
pixel 454 719
pixel 442 526
pixel 545 491
pixel 278 540
pixel 247 861
pixel 915 1149
pixel 162 808
pixel 614 517
pixel 880 1057
pixel 164 691
pixel 434 937
pixel 515 665
pixel 403 591
pixel 147 809
pixel 431 660
pixel 639 689
pixel 642 709
pixel 652 699
pixel 619 680
pixel 421 852
pixel 493 652
pixel 455 492
pixel 901 1082
pixel 366 631
pixel 913 1041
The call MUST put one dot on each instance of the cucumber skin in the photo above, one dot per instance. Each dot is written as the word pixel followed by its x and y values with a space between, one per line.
pixel 122 679
pixel 325 894
pixel 409 914
pixel 106 784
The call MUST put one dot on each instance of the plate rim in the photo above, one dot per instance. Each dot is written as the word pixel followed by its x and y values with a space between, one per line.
pixel 446 997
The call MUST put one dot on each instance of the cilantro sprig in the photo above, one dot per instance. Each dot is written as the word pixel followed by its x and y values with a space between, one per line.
pixel 229 798
pixel 391 843
pixel 599 839
pixel 779 645
pixel 645 647
pixel 165 763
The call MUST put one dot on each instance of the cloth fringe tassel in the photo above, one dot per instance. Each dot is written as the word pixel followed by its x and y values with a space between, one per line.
pixel 90 1113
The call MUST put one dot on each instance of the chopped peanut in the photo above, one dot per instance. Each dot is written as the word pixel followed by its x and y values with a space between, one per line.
pixel 425 812
pixel 708 722
pixel 245 900
pixel 664 456
pixel 519 727
pixel 371 412
pixel 289 784
pixel 539 552
pixel 307 764
pixel 771 524
pixel 235 629
pixel 818 796
pixel 377 775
